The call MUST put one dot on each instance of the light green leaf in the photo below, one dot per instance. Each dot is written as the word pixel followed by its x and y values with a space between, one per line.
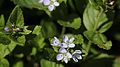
pixel 89 35
pixel 4 63
pixel 37 30
pixel 16 17
pixel 116 62
pixel 46 63
pixel 21 40
pixel 25 31
pixel 93 17
pixel 18 64
pixel 6 47
pixel 2 21
pixel 78 39
pixel 39 41
pixel 62 1
pixel 34 51
pixel 105 27
pixel 76 23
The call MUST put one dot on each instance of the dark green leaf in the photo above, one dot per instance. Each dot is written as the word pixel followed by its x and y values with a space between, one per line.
pixel 2 21
pixel 16 17
pixel 46 63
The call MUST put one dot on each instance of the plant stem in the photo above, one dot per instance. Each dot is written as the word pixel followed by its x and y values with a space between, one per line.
pixel 63 31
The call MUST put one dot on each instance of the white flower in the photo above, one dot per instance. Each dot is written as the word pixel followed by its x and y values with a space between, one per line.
pixel 55 42
pixel 67 42
pixel 77 55
pixel 46 2
pixel 64 55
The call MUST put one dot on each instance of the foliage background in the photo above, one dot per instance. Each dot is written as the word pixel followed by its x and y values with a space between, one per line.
pixel 34 16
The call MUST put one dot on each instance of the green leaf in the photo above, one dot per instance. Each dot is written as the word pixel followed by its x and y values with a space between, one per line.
pixel 2 21
pixel 48 28
pixel 105 27
pixel 75 23
pixel 21 40
pixel 46 63
pixel 34 51
pixel 25 31
pixel 116 62
pixel 6 48
pixel 89 35
pixel 62 1
pixel 16 17
pixel 93 17
pixel 4 63
pixel 18 64
pixel 37 30
pixel 78 39
pixel 39 41
pixel 106 46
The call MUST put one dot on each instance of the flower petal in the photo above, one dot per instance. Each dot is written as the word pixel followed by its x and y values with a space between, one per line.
pixel 68 55
pixel 72 45
pixel 77 51
pixel 40 1
pixel 46 2
pixel 64 45
pixel 56 3
pixel 62 50
pixel 79 57
pixel 56 42
pixel 65 59
pixel 76 60
pixel 59 57
pixel 71 40
pixel 51 7
pixel 7 29
pixel 65 38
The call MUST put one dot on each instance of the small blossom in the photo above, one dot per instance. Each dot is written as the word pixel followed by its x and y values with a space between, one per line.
pixel 68 42
pixel 46 2
pixel 55 42
pixel 56 3
pixel 51 7
pixel 17 29
pixel 64 56
pixel 7 29
pixel 77 55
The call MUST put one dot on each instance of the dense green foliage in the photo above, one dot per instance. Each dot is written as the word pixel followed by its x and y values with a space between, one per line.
pixel 28 30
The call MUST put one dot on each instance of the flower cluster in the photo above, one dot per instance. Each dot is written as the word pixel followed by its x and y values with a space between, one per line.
pixel 64 53
pixel 14 29
pixel 51 4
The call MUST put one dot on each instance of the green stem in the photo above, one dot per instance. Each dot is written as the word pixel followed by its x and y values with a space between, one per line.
pixel 63 31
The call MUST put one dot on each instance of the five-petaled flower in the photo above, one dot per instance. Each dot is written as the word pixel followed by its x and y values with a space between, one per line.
pixel 64 52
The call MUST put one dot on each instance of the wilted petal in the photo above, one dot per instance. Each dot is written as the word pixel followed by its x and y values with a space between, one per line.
pixel 65 59
pixel 62 50
pixel 76 60
pixel 68 55
pixel 46 2
pixel 71 45
pixel 64 45
pixel 51 7
pixel 65 38
pixel 40 1
pixel 59 57
pixel 71 39
pixel 56 3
